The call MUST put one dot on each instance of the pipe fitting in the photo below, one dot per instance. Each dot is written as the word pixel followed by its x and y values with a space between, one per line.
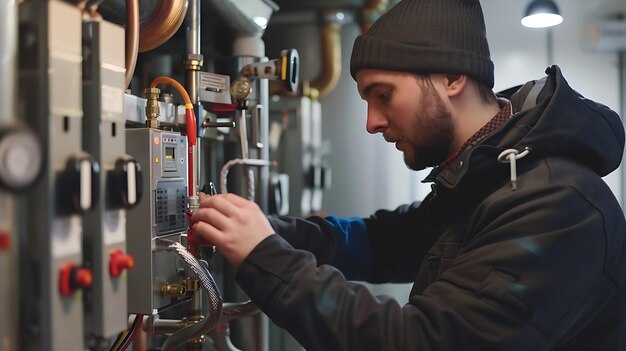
pixel 194 205
pixel 191 284
pixel 173 290
pixel 152 107
pixel 194 62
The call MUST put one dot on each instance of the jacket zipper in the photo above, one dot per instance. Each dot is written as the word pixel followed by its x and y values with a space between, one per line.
pixel 433 189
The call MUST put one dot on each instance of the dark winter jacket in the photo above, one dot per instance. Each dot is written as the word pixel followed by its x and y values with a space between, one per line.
pixel 541 267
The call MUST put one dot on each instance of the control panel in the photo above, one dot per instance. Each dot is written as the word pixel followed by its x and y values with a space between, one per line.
pixel 161 214
pixel 104 228
pixel 50 90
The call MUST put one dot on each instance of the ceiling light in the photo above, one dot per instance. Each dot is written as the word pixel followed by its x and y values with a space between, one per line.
pixel 541 14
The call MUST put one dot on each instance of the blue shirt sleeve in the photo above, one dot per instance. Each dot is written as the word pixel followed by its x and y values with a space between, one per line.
pixel 353 247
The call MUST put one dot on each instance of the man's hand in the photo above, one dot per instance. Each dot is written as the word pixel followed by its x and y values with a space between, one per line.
pixel 233 224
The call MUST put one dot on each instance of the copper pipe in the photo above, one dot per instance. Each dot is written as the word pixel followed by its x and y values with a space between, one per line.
pixel 162 25
pixel 91 7
pixel 81 4
pixel 370 11
pixel 330 71
pixel 132 38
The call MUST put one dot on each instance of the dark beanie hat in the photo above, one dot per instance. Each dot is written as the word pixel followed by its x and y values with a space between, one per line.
pixel 427 36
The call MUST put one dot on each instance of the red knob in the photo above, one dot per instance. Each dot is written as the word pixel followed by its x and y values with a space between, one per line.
pixel 4 240
pixel 72 278
pixel 119 262
pixel 82 278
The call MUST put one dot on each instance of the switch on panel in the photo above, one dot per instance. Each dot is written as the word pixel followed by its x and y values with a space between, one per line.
pixel 126 183
pixel 78 186
pixel 72 278
pixel 119 262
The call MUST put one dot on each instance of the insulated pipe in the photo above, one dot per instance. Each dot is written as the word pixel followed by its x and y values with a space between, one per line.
pixel 330 71
pixel 370 11
pixel 162 25
pixel 132 38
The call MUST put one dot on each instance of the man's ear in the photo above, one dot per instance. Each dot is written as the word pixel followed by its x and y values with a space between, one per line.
pixel 455 83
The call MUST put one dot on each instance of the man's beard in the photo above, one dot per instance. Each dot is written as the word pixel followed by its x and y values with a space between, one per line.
pixel 430 135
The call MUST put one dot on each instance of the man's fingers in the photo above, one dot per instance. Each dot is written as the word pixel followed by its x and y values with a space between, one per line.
pixel 209 233
pixel 228 204
pixel 212 216
pixel 237 200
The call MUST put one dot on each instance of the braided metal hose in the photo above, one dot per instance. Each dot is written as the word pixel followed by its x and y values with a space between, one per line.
pixel 239 161
pixel 207 283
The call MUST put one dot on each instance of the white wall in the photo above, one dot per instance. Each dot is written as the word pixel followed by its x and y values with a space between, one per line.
pixel 521 53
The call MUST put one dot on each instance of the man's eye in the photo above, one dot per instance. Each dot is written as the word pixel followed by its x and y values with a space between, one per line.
pixel 384 97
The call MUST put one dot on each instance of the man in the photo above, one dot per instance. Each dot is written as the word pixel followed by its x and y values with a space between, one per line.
pixel 520 245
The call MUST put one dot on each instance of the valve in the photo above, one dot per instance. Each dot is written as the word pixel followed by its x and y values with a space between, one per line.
pixel 72 278
pixel 126 182
pixel 286 69
pixel 118 262
pixel 173 290
pixel 290 73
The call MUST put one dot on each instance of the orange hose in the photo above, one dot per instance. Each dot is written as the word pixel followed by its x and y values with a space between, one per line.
pixel 190 120
pixel 167 80
pixel 190 116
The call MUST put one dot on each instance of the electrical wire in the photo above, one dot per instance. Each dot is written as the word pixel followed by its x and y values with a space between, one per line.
pixel 122 338
pixel 135 331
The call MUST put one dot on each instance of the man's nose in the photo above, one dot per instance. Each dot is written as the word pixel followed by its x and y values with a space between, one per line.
pixel 376 121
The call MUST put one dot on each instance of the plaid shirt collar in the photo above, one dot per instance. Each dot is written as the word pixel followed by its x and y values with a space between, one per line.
pixel 506 111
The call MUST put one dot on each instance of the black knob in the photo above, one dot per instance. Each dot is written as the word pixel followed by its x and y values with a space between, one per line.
pixel 78 187
pixel 126 183
pixel 20 159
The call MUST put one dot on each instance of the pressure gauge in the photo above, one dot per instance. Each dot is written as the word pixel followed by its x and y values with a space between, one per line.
pixel 240 89
pixel 20 158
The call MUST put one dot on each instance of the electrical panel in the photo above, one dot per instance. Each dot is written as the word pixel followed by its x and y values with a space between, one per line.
pixel 50 92
pixel 102 155
pixel 104 235
pixel 161 214
pixel 8 246
pixel 8 293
